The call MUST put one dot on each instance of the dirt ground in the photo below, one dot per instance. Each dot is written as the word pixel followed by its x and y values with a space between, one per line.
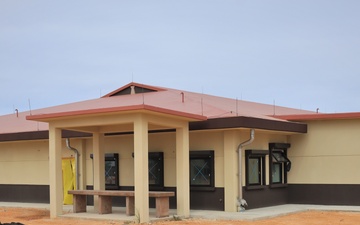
pixel 41 217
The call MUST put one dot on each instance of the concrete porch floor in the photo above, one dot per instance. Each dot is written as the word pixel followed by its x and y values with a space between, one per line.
pixel 247 215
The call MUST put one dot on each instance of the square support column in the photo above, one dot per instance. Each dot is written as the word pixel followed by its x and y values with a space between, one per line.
pixel 182 171
pixel 99 165
pixel 231 178
pixel 55 172
pixel 141 178
pixel 82 166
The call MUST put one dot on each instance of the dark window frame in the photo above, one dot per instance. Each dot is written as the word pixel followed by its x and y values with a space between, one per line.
pixel 281 174
pixel 261 156
pixel 208 155
pixel 283 161
pixel 111 157
pixel 159 157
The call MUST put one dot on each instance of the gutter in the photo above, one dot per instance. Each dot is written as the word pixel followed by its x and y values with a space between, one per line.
pixel 241 202
pixel 77 154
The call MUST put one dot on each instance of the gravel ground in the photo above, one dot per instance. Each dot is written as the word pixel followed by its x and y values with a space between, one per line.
pixel 29 216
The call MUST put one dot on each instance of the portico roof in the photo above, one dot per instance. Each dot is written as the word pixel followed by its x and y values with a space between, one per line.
pixel 135 97
pixel 194 106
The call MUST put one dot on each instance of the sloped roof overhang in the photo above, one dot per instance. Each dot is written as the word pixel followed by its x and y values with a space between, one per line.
pixel 39 135
pixel 218 123
pixel 320 116
pixel 133 108
pixel 249 122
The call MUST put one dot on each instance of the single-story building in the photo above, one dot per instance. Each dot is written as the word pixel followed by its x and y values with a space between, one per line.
pixel 215 153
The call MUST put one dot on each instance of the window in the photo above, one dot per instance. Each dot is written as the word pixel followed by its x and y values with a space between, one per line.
pixel 255 168
pixel 156 170
pixel 280 165
pixel 202 170
pixel 277 175
pixel 111 171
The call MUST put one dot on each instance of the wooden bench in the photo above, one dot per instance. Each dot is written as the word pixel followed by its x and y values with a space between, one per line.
pixel 105 204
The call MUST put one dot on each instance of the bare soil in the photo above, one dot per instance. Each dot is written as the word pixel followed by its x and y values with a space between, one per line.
pixel 29 216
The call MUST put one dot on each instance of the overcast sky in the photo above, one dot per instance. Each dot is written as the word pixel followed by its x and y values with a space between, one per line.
pixel 298 53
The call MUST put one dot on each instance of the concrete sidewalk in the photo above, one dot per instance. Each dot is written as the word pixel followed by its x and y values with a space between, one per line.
pixel 247 215
pixel 268 212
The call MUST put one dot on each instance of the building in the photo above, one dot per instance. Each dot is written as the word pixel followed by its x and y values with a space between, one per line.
pixel 155 138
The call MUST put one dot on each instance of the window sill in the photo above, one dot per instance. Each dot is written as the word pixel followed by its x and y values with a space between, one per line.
pixel 156 188
pixel 255 187
pixel 111 187
pixel 202 188
pixel 278 185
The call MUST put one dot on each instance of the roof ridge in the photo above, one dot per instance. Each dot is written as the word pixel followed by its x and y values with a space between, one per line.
pixel 134 84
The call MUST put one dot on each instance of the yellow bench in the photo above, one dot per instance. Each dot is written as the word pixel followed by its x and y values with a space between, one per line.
pixel 105 204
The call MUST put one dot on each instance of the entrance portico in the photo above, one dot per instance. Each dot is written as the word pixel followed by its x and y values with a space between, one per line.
pixel 140 122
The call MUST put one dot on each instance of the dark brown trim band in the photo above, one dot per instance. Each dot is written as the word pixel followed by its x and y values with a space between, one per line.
pixel 39 135
pixel 265 197
pixel 24 193
pixel 324 194
pixel 249 122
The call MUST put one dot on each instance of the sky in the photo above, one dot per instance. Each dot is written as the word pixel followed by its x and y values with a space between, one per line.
pixel 300 54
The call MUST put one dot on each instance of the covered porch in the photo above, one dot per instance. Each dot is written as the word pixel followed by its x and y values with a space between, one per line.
pixel 139 122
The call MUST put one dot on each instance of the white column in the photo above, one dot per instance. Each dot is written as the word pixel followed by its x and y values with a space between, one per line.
pixel 55 172
pixel 141 169
pixel 99 165
pixel 231 178
pixel 182 171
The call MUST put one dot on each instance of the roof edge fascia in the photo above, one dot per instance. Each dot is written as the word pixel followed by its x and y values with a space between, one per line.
pixel 319 116
pixel 55 116
pixel 210 124
pixel 39 135
pixel 249 122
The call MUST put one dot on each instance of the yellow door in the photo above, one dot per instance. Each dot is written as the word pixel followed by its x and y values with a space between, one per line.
pixel 68 174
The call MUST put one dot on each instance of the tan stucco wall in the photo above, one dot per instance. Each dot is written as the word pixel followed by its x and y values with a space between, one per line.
pixel 165 142
pixel 26 162
pixel 328 154
pixel 124 146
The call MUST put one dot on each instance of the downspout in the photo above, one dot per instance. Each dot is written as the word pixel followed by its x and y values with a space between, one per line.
pixel 77 154
pixel 241 201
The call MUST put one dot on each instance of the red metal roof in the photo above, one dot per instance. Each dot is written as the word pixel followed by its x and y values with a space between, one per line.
pixel 15 123
pixel 320 116
pixel 194 106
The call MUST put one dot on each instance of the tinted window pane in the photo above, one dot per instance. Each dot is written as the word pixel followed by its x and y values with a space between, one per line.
pixel 279 157
pixel 200 172
pixel 110 172
pixel 277 173
pixel 254 170
pixel 154 171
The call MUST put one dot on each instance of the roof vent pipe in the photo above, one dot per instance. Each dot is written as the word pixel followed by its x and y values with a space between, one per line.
pixel 77 154
pixel 182 97
pixel 241 202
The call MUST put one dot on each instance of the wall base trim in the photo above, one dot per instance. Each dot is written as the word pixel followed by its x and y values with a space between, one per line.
pixel 324 194
pixel 25 193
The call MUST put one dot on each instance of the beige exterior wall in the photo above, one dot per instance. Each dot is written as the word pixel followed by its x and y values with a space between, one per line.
pixel 26 162
pixel 328 154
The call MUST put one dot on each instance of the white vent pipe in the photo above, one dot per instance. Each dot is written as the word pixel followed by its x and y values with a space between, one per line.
pixel 241 201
